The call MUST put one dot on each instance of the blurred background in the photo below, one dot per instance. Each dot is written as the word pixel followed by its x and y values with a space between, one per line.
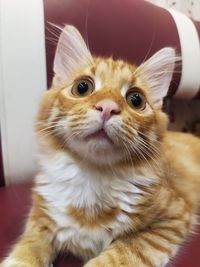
pixel 184 115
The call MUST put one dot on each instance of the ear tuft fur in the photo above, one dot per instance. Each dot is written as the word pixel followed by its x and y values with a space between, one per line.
pixel 71 55
pixel 157 73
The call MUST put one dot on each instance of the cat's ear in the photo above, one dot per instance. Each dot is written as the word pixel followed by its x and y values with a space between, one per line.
pixel 71 55
pixel 157 73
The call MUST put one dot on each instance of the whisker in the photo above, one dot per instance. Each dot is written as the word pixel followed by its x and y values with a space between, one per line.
pixel 86 25
pixel 150 46
pixel 149 145
pixel 149 155
pixel 47 128
pixel 74 134
pixel 128 152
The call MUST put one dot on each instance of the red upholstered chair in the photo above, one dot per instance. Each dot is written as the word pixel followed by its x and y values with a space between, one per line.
pixel 129 29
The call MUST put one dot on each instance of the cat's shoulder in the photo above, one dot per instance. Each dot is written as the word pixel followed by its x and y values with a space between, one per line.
pixel 179 137
pixel 181 144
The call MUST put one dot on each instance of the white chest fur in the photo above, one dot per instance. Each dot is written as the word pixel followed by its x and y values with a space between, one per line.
pixel 63 183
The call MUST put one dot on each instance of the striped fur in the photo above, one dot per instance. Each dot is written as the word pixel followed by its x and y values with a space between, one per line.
pixel 127 199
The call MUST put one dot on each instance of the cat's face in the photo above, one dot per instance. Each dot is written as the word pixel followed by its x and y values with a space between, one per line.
pixel 101 110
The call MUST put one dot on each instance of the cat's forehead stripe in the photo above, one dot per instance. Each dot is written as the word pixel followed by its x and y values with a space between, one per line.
pixel 112 73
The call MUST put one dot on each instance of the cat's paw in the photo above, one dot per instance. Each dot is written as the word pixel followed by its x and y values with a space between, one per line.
pixel 11 262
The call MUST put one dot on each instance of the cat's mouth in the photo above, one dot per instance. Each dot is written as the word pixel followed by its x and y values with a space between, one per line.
pixel 99 135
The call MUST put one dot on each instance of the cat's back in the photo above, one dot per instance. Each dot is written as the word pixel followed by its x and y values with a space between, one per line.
pixel 182 153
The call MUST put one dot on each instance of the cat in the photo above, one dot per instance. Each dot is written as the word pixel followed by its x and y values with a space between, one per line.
pixel 115 188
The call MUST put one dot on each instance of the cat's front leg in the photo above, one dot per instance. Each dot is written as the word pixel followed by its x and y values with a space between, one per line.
pixel 14 263
pixel 29 252
pixel 153 247
pixel 145 251
pixel 35 247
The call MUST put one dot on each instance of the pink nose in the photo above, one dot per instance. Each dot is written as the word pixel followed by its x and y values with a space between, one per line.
pixel 107 108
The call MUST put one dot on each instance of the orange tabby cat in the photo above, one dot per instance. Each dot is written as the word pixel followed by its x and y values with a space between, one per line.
pixel 115 187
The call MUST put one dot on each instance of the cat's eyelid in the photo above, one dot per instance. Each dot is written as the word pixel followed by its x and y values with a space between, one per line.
pixel 84 77
pixel 135 88
pixel 128 86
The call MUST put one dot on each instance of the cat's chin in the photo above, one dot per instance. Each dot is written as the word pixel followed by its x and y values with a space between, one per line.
pixel 98 149
pixel 99 137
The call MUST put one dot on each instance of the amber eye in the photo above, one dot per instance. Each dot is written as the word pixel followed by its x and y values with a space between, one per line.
pixel 82 87
pixel 136 100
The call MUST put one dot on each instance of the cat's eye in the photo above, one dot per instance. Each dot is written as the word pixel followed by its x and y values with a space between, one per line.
pixel 82 87
pixel 135 99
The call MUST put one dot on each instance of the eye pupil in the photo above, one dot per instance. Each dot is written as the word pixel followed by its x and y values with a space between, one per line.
pixel 136 100
pixel 82 87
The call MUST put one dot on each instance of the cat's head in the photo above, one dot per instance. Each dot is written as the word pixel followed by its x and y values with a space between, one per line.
pixel 104 111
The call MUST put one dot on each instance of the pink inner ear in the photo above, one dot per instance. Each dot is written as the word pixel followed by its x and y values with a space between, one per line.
pixel 157 73
pixel 71 54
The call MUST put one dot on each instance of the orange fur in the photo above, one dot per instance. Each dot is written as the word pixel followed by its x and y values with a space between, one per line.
pixel 142 227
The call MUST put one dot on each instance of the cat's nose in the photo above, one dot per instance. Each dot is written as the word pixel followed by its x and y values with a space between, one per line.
pixel 107 108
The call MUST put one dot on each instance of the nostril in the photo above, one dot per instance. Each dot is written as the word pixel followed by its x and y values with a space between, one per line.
pixel 115 111
pixel 100 108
